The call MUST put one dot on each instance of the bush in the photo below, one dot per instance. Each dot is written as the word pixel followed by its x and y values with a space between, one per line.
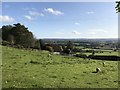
pixel 90 51
pixel 55 47
pixel 103 57
pixel 49 48
pixel 77 50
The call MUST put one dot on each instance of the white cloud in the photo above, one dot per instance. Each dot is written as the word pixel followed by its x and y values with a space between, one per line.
pixel 55 12
pixel 28 17
pixel 90 12
pixel 77 23
pixel 6 18
pixel 101 30
pixel 34 13
pixel 76 32
pixel 98 30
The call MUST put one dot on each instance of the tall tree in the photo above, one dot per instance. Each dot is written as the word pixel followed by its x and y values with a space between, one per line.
pixel 11 39
pixel 37 44
pixel 42 44
pixel 6 31
pixel 23 36
pixel 70 45
pixel 118 6
pixel 18 34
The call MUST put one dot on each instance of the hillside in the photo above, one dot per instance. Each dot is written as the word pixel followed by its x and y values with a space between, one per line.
pixel 38 69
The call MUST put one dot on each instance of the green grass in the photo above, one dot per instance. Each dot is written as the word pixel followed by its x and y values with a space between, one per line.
pixel 104 53
pixel 55 72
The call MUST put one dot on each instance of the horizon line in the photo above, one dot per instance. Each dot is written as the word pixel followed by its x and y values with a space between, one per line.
pixel 78 38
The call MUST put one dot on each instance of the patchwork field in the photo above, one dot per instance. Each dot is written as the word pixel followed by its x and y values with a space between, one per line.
pixel 36 69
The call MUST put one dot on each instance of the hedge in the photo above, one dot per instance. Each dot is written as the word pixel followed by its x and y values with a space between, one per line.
pixel 103 57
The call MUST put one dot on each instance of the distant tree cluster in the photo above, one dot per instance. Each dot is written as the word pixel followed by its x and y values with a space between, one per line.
pixel 53 47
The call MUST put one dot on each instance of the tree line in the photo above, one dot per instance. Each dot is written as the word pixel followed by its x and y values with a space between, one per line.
pixel 19 35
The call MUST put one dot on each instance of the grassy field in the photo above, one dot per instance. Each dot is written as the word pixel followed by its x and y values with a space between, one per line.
pixel 114 53
pixel 35 69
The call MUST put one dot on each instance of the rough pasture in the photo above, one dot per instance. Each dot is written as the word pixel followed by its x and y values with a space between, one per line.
pixel 34 69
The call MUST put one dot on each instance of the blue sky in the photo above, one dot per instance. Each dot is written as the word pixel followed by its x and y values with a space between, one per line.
pixel 64 20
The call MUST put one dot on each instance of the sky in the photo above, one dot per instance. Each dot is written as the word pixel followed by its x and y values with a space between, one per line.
pixel 63 19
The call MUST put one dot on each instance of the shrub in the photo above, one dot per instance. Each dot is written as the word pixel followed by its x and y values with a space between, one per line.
pixel 103 57
pixel 77 50
pixel 56 48
pixel 89 51
pixel 49 48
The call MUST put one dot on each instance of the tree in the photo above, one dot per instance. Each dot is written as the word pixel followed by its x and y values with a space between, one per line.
pixel 6 31
pixel 11 39
pixel 22 35
pixel 118 6
pixel 0 36
pixel 42 44
pixel 49 48
pixel 69 47
pixel 37 44
pixel 18 34
pixel 93 53
pixel 56 48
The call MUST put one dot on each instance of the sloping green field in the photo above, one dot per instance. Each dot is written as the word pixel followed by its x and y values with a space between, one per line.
pixel 36 69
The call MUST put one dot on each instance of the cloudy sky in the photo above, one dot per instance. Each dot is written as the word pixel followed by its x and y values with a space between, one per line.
pixel 64 20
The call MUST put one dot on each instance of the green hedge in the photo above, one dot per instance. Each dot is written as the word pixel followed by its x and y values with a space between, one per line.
pixel 103 57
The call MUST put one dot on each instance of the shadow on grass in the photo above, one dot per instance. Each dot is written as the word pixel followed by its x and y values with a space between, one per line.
pixel 103 57
pixel 94 72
